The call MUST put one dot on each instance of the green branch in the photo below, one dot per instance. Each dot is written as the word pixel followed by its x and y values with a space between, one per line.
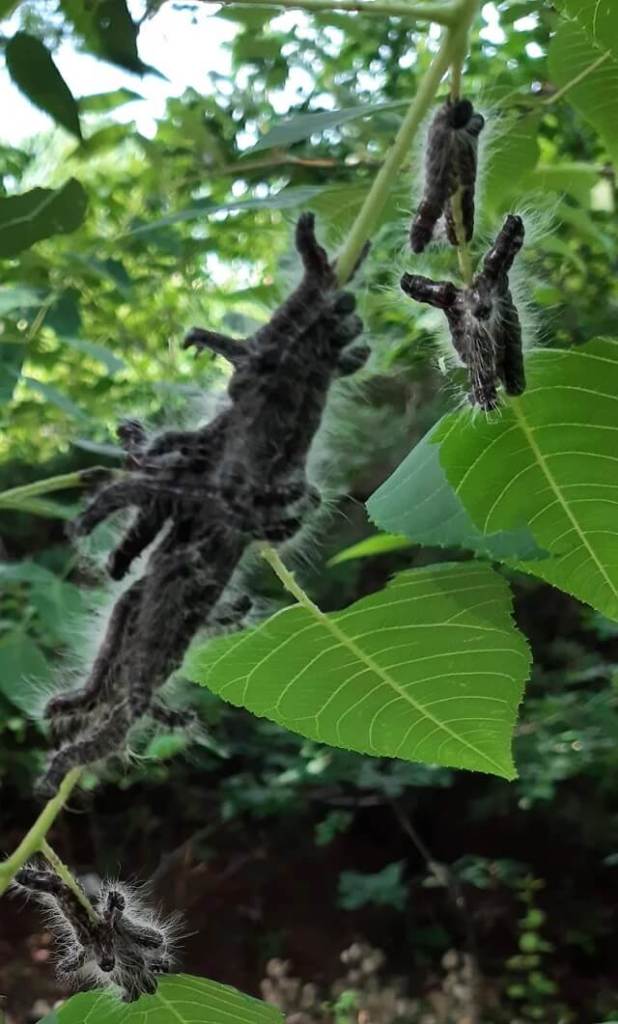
pixel 439 13
pixel 12 499
pixel 369 215
pixel 64 873
pixel 34 839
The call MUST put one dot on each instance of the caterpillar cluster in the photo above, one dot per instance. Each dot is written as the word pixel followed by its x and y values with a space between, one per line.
pixel 450 169
pixel 204 496
pixel 482 317
pixel 120 945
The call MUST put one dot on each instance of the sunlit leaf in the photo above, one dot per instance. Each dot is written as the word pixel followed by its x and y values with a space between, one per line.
pixel 181 999
pixel 109 137
pixel 101 102
pixel 549 463
pixel 31 216
pixel 33 70
pixel 429 669
pixel 379 544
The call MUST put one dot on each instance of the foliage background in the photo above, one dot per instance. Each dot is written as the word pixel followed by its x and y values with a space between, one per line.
pixel 243 830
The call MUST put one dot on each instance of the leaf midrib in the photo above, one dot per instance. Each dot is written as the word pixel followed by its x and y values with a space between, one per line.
pixel 342 638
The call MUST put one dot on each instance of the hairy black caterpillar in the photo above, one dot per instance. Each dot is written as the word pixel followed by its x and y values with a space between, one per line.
pixel 450 167
pixel 203 496
pixel 117 943
pixel 483 319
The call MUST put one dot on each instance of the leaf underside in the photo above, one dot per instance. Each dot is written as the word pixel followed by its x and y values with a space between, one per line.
pixel 418 501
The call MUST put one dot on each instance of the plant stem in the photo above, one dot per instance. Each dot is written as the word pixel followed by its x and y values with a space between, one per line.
pixel 64 873
pixel 12 498
pixel 32 841
pixel 270 555
pixel 463 249
pixel 439 13
pixel 371 210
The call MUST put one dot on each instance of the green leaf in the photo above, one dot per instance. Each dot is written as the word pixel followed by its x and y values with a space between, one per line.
pixel 57 398
pixel 575 57
pixel 106 138
pixel 513 154
pixel 574 178
pixel 295 129
pixel 549 463
pixel 51 1018
pixel 418 501
pixel 101 102
pixel 179 999
pixel 287 198
pixel 430 669
pixel 384 888
pixel 23 670
pixel 252 17
pixel 38 214
pixel 32 69
pixel 108 30
pixel 98 352
pixel 379 544
pixel 7 7
pixel 64 315
pixel 12 355
pixel 25 572
pixel 252 48
pixel 18 297
pixel 598 19
pixel 58 604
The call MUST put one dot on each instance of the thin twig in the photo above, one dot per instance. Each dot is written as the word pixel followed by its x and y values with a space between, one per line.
pixel 444 877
